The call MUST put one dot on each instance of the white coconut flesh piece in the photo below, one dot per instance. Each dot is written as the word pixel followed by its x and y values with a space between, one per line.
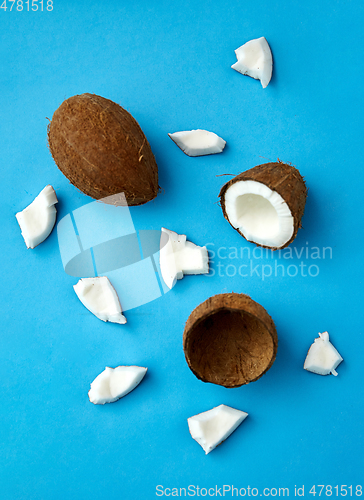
pixel 37 220
pixel 322 357
pixel 259 213
pixel 115 383
pixel 179 257
pixel 212 427
pixel 99 297
pixel 198 142
pixel 255 60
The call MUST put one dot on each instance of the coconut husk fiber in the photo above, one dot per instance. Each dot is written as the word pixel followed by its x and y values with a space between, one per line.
pixel 285 179
pixel 102 150
pixel 230 340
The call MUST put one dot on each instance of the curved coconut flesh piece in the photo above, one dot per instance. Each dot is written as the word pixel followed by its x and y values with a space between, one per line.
pixel 255 60
pixel 99 297
pixel 179 257
pixel 265 204
pixel 198 142
pixel 115 383
pixel 212 427
pixel 322 357
pixel 229 340
pixel 37 220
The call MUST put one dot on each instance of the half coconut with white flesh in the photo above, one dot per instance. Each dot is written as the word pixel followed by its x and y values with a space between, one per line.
pixel 37 220
pixel 255 60
pixel 115 383
pixel 265 204
pixel 99 297
pixel 322 357
pixel 179 257
pixel 212 427
pixel 198 142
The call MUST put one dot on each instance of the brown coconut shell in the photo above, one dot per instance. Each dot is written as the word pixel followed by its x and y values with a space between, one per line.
pixel 102 150
pixel 230 340
pixel 285 179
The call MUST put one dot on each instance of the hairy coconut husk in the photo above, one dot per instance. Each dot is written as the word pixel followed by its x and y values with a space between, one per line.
pixel 230 340
pixel 285 179
pixel 102 150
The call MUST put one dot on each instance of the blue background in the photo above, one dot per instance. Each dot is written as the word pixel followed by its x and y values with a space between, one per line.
pixel 168 63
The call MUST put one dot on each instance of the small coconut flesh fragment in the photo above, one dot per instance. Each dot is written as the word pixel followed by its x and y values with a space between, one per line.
pixel 198 142
pixel 255 60
pixel 212 427
pixel 322 357
pixel 37 220
pixel 265 204
pixel 100 297
pixel 229 340
pixel 179 257
pixel 114 383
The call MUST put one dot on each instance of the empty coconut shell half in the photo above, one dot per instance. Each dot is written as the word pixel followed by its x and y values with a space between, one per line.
pixel 265 204
pixel 103 151
pixel 230 340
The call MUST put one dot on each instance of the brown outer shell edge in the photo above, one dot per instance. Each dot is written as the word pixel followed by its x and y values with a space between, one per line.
pixel 233 302
pixel 286 180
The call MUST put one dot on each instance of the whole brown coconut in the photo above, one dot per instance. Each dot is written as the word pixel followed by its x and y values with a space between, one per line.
pixel 102 150
pixel 230 340
pixel 267 211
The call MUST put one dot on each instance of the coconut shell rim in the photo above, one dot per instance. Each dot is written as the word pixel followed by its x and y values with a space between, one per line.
pixel 272 333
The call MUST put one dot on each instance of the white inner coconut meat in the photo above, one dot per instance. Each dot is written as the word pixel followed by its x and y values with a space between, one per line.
pixel 179 257
pixel 259 213
pixel 37 220
pixel 198 142
pixel 322 357
pixel 212 427
pixel 255 60
pixel 99 297
pixel 114 383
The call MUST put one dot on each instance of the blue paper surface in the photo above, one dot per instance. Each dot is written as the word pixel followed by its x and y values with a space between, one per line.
pixel 169 64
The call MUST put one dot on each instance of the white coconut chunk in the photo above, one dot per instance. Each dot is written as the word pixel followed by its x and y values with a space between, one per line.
pixel 114 383
pixel 212 427
pixel 179 257
pixel 322 357
pixel 37 220
pixel 259 213
pixel 198 142
pixel 100 297
pixel 255 60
